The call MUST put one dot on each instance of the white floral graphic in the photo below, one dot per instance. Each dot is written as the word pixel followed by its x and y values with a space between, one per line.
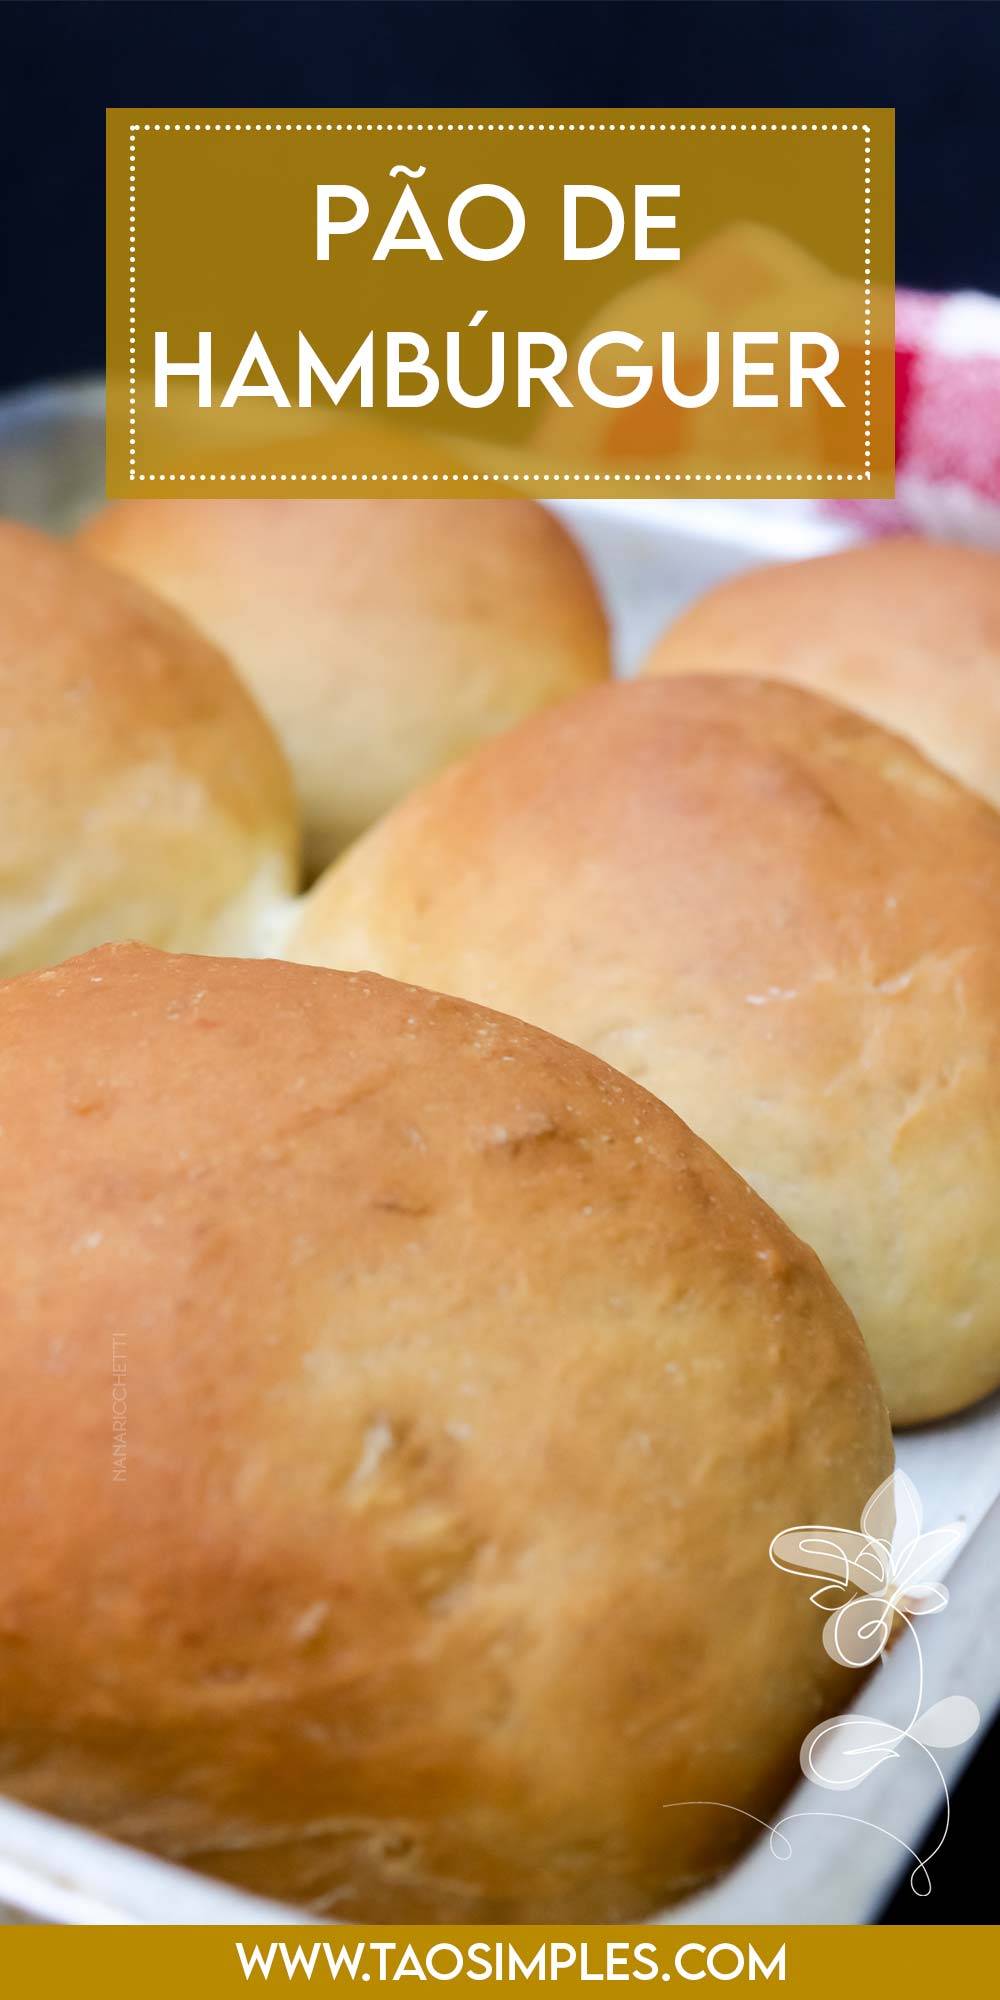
pixel 879 1580
pixel 874 1581
pixel 888 1560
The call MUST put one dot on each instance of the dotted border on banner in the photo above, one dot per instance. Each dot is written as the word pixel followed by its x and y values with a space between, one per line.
pixel 498 478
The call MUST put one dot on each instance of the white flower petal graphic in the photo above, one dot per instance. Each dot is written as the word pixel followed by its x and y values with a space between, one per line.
pixel 842 1553
pixel 926 1553
pixel 857 1633
pixel 843 1752
pixel 918 1599
pixel 829 1596
pixel 894 1511
pixel 950 1721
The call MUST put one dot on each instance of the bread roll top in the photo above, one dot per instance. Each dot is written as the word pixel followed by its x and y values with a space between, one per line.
pixel 774 914
pixel 905 630
pixel 384 638
pixel 464 1389
pixel 143 792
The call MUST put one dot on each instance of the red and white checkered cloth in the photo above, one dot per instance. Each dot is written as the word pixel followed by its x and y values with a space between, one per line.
pixel 947 422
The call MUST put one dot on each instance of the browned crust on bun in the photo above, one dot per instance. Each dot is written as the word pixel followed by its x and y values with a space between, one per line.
pixel 143 793
pixel 384 638
pixel 776 915
pixel 465 1389
pixel 905 630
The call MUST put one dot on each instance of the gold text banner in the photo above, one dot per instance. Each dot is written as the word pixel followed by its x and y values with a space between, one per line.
pixel 626 304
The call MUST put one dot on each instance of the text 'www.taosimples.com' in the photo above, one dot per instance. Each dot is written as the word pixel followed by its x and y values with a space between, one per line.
pixel 386 1960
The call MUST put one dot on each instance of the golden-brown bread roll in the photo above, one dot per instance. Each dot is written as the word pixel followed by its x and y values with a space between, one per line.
pixel 142 793
pixel 462 1389
pixel 907 631
pixel 775 915
pixel 384 638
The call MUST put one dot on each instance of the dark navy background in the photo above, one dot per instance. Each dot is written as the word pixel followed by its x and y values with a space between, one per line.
pixel 61 64
pixel 936 61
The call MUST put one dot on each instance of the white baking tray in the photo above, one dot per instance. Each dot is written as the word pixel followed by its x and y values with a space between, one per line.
pixel 651 557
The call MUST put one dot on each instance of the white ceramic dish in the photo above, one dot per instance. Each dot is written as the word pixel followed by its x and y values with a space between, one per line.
pixel 651 557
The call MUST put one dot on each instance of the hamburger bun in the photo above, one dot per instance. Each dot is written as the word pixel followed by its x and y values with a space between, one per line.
pixel 779 918
pixel 383 638
pixel 464 1391
pixel 143 793
pixel 905 631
